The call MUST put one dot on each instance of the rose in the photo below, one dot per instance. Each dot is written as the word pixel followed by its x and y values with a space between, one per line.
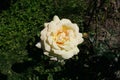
pixel 59 38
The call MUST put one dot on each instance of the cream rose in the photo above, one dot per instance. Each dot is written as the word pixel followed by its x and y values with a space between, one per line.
pixel 60 38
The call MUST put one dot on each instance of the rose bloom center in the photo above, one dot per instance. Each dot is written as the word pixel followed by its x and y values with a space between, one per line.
pixel 62 35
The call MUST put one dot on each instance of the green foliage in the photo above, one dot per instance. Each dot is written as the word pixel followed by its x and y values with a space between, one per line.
pixel 19 27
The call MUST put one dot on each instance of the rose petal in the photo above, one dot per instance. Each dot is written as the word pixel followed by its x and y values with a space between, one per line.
pixel 43 33
pixel 56 19
pixel 47 47
pixel 52 27
pixel 38 45
pixel 46 53
pixel 70 53
pixel 65 21
pixel 46 24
